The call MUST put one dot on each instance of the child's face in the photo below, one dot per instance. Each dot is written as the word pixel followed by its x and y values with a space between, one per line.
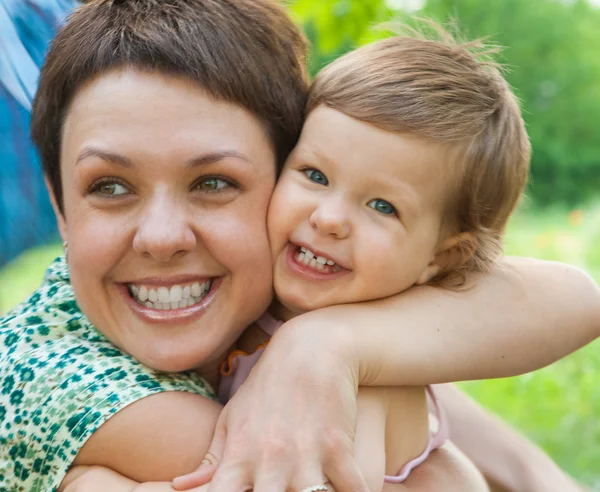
pixel 356 214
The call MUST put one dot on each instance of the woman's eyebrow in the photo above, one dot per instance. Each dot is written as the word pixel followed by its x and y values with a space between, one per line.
pixel 106 156
pixel 191 163
pixel 215 157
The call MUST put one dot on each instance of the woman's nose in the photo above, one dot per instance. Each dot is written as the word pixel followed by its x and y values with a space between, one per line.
pixel 332 217
pixel 164 231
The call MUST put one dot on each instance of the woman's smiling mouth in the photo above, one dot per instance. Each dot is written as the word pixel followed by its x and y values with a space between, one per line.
pixel 165 298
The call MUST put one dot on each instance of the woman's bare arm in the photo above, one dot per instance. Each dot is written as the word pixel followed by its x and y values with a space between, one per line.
pixel 102 479
pixel 154 439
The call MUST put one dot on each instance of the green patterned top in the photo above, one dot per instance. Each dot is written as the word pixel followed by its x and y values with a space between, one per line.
pixel 60 380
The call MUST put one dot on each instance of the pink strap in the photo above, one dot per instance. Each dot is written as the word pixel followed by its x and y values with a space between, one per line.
pixel 269 324
pixel 434 442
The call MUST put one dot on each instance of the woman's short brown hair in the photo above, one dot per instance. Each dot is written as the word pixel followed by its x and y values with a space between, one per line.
pixel 247 52
pixel 448 92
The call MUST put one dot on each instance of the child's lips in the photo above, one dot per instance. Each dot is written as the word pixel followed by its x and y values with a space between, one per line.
pixel 320 256
pixel 299 263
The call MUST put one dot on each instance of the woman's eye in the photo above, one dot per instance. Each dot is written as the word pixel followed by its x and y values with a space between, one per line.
pixel 382 206
pixel 317 176
pixel 110 188
pixel 213 184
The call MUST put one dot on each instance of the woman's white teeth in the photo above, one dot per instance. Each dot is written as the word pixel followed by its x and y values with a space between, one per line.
pixel 195 290
pixel 142 293
pixel 176 297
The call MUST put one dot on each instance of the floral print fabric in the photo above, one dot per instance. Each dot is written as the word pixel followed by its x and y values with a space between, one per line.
pixel 60 380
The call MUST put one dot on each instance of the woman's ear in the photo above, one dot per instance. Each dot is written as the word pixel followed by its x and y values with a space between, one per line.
pixel 451 255
pixel 60 218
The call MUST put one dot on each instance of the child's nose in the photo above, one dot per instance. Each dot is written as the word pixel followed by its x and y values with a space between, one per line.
pixel 332 218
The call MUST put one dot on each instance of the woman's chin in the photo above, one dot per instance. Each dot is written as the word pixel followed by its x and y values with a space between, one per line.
pixel 178 357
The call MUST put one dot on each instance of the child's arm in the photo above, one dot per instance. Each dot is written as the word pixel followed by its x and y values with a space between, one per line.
pixel 523 315
pixel 509 462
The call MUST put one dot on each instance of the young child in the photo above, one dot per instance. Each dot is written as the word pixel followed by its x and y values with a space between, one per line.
pixel 411 160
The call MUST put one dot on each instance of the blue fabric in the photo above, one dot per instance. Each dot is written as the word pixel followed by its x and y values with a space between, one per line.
pixel 26 28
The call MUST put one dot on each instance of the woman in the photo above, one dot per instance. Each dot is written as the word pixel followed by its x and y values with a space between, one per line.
pixel 161 160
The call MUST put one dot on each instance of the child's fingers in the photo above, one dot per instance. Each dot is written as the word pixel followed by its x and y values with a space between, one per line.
pixel 205 472
pixel 201 476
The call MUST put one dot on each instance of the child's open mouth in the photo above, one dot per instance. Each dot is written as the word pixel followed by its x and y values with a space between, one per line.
pixel 176 296
pixel 320 264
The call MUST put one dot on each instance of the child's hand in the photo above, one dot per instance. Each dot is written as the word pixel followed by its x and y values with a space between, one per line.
pixel 291 425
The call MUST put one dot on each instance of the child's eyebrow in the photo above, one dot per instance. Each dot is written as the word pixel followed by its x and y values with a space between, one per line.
pixel 402 193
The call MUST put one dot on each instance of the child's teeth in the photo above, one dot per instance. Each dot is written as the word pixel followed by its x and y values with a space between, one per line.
pixel 152 295
pixel 307 257
pixel 186 292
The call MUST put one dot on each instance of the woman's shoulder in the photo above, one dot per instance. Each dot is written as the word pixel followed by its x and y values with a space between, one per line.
pixel 60 380
pixel 45 317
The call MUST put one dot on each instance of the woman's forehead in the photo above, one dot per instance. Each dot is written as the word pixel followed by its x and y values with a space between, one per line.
pixel 129 109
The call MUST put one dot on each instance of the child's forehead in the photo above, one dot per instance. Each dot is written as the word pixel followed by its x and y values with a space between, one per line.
pixel 370 158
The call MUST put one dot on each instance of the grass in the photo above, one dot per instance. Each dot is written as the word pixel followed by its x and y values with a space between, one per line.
pixel 558 407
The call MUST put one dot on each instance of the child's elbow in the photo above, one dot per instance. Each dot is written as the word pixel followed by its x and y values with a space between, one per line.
pixel 587 293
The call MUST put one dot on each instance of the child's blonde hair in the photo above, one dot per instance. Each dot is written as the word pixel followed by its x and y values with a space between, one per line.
pixel 449 92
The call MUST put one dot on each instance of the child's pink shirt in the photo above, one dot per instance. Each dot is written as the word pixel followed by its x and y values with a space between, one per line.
pixel 238 367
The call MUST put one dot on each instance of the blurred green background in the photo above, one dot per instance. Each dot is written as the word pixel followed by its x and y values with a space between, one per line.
pixel 552 51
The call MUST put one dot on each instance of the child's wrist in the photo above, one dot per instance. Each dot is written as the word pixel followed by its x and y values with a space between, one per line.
pixel 316 336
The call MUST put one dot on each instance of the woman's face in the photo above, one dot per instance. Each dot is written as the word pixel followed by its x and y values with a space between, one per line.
pixel 165 196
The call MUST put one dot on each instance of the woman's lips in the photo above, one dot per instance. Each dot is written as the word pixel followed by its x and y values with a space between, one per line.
pixel 165 312
pixel 163 298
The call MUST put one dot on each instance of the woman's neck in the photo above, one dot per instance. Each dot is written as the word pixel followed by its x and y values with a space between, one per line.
pixel 280 312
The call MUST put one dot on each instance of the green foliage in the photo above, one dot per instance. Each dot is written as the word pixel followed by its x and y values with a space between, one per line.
pixel 334 27
pixel 551 51
pixel 557 407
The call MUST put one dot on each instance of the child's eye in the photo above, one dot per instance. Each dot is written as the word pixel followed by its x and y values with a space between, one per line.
pixel 382 206
pixel 213 184
pixel 109 189
pixel 316 176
